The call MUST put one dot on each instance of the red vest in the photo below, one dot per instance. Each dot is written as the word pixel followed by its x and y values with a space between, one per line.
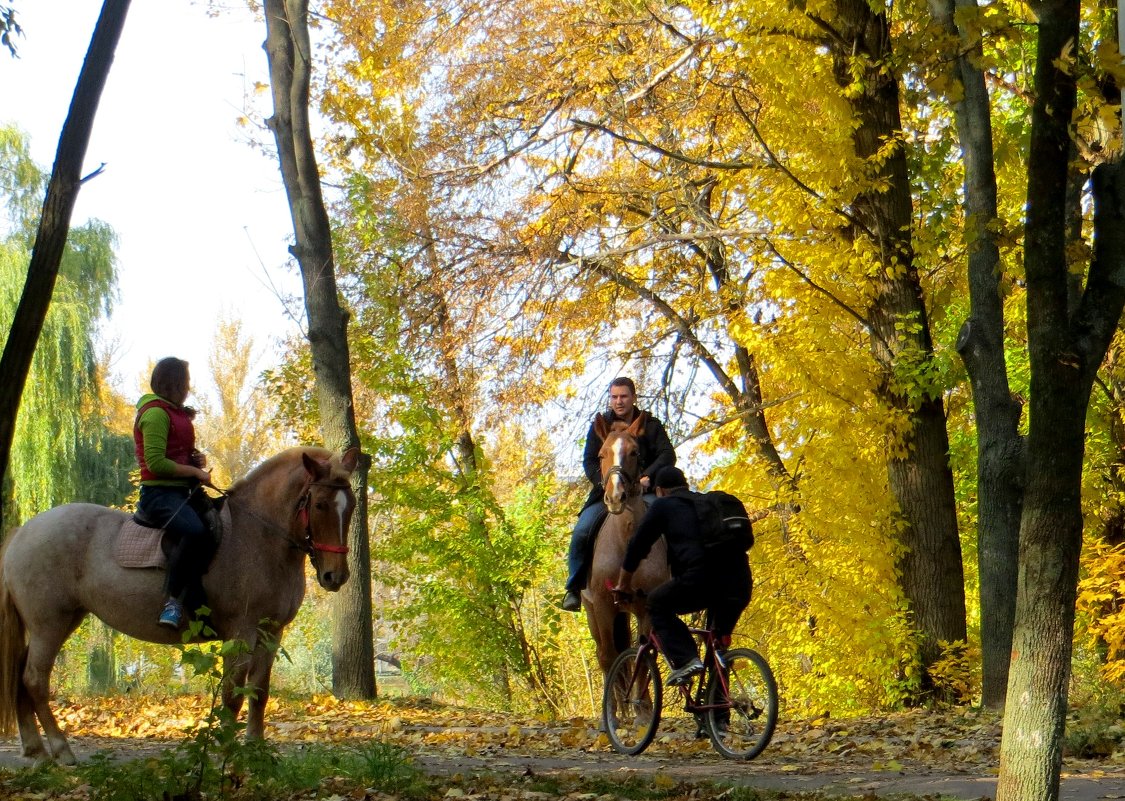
pixel 181 437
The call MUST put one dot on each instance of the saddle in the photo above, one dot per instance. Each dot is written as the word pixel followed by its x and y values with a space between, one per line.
pixel 141 544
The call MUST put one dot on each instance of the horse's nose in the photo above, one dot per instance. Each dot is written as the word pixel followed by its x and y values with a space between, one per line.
pixel 331 580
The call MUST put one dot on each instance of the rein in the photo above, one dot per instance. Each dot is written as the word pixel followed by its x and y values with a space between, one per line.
pixel 308 545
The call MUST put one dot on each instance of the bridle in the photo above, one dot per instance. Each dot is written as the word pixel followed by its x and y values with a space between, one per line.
pixel 618 470
pixel 308 544
pixel 632 487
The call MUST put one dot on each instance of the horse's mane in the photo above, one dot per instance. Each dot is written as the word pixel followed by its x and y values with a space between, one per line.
pixel 280 464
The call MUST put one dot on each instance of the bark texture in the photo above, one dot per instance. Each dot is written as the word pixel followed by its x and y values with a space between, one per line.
pixel 1067 341
pixel 921 481
pixel 54 223
pixel 1000 448
pixel 288 50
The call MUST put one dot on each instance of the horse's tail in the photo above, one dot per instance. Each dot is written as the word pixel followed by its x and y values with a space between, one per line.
pixel 13 656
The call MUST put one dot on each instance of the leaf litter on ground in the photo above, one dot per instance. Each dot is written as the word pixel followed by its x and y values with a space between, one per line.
pixel 455 742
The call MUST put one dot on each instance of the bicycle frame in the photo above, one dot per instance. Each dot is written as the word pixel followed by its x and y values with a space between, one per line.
pixel 733 699
pixel 694 691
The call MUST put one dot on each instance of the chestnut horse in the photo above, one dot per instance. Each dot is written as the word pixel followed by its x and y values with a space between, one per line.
pixel 609 624
pixel 59 567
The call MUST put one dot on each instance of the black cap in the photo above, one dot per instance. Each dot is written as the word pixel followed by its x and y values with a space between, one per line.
pixel 670 477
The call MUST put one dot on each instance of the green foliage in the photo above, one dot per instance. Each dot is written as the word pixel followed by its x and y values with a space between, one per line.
pixel 215 761
pixel 1094 724
pixel 46 779
pixel 250 770
pixel 63 449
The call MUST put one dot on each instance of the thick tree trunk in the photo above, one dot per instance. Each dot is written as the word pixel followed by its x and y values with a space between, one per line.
pixel 1067 342
pixel 288 49
pixel 1000 465
pixel 54 223
pixel 921 479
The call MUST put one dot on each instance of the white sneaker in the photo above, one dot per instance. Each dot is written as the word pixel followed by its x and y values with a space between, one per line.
pixel 682 675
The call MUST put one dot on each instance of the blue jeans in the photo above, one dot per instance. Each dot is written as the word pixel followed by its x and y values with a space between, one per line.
pixel 169 508
pixel 582 542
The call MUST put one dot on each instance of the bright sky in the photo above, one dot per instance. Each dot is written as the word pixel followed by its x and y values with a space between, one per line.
pixel 200 213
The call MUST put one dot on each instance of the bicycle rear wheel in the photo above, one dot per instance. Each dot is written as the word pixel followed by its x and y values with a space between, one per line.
pixel 744 730
pixel 631 701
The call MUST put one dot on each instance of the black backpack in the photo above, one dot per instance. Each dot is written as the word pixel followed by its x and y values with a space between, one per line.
pixel 723 521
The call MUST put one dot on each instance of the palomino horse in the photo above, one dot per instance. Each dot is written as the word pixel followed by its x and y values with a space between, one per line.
pixel 609 624
pixel 59 567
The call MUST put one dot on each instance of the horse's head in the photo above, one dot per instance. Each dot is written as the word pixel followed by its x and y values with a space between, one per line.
pixel 324 511
pixel 620 457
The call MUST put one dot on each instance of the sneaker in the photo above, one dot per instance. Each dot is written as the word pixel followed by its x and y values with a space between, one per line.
pixel 682 675
pixel 571 602
pixel 172 615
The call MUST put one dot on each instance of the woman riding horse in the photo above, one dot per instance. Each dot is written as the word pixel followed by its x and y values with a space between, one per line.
pixel 61 565
pixel 171 474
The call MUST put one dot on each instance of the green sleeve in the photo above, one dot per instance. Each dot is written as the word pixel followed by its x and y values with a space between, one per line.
pixel 155 425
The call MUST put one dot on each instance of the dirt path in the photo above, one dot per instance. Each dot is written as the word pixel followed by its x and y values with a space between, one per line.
pixel 845 777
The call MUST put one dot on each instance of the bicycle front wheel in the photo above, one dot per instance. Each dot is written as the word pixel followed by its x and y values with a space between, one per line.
pixel 744 729
pixel 631 701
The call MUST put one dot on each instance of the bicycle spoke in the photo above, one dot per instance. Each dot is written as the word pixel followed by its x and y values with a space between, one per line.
pixel 631 702
pixel 744 729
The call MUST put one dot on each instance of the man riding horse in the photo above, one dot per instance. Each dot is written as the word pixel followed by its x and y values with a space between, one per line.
pixel 655 452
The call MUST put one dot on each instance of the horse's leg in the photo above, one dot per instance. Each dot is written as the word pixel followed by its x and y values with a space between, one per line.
pixel 235 669
pixel 622 632
pixel 261 666
pixel 43 648
pixel 16 706
pixel 601 627
pixel 31 744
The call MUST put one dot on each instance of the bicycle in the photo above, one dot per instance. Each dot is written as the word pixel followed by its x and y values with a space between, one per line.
pixel 734 699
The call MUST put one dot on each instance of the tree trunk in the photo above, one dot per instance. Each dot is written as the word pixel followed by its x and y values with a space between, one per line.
pixel 920 479
pixel 1000 465
pixel 288 50
pixel 1066 342
pixel 54 223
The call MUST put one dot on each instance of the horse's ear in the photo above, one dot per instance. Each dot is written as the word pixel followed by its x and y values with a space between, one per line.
pixel 314 468
pixel 638 426
pixel 350 459
pixel 600 427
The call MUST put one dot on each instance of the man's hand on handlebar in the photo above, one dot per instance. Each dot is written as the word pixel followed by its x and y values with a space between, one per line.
pixel 622 592
pixel 621 595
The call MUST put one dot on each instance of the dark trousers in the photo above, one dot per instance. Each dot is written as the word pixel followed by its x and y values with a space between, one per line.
pixel 191 543
pixel 723 591
pixel 582 542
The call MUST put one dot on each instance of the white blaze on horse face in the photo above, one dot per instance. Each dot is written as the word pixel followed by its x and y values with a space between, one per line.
pixel 341 511
pixel 615 486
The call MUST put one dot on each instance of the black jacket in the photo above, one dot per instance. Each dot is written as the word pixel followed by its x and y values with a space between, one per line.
pixel 656 451
pixel 673 516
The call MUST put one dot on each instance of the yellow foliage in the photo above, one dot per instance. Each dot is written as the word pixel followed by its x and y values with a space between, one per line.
pixel 1100 609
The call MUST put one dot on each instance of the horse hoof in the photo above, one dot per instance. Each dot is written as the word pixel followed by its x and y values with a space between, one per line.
pixel 37 753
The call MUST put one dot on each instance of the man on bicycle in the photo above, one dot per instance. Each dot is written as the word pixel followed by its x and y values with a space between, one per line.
pixel 716 579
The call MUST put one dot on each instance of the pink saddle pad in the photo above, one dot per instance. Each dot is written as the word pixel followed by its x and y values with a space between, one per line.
pixel 139 546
